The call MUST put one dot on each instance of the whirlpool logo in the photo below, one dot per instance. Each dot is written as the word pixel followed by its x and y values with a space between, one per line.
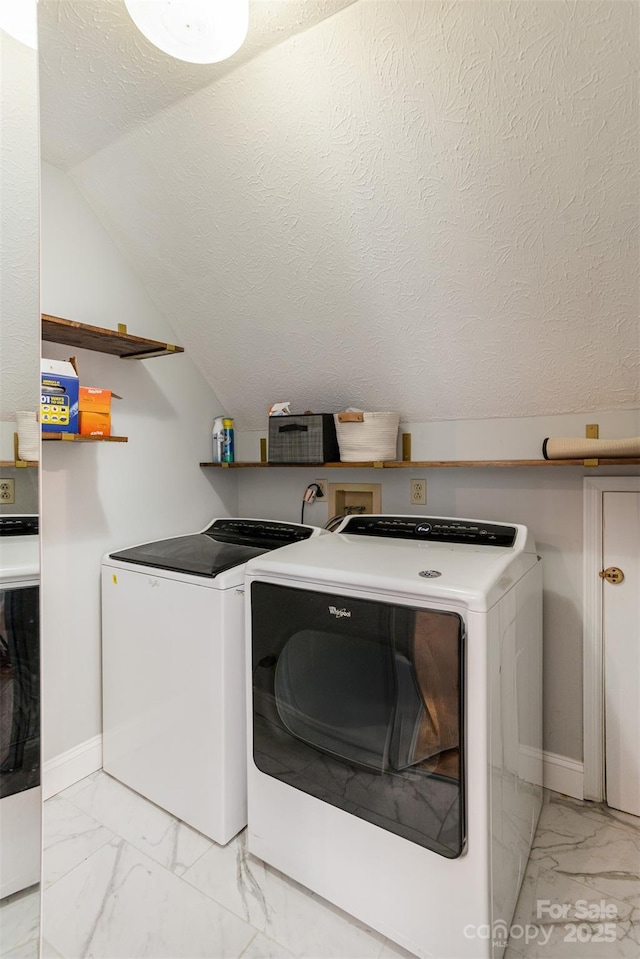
pixel 340 613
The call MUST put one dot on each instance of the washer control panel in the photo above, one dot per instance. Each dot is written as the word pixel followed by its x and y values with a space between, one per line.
pixel 435 529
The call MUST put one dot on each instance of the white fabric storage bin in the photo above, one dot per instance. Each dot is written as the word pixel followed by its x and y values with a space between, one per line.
pixel 367 436
pixel 28 435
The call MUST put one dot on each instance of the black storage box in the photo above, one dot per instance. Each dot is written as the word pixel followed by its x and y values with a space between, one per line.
pixel 307 438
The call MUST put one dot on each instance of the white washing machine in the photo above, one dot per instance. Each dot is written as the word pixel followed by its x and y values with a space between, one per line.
pixel 395 723
pixel 173 663
pixel 20 793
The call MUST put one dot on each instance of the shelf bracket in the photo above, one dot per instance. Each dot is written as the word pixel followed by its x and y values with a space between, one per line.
pixel 591 432
pixel 21 464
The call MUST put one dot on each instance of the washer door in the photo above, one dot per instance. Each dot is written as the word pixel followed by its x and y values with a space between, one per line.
pixel 360 703
pixel 198 554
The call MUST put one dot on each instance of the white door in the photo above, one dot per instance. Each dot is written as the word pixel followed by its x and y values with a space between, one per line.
pixel 621 632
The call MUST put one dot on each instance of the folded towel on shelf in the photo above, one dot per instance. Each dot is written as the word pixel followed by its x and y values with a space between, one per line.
pixel 28 435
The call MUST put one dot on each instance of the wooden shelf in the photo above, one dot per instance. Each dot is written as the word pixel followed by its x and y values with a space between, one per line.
pixel 251 465
pixel 17 463
pixel 115 342
pixel 472 464
pixel 426 464
pixel 76 438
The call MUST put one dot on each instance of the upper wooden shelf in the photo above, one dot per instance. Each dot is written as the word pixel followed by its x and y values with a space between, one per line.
pixel 429 464
pixel 116 342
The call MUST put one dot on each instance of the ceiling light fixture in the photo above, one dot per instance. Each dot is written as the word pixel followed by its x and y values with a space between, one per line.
pixel 198 31
pixel 19 19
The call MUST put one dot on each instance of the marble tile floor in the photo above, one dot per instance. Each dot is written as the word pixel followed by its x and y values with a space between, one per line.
pixel 580 896
pixel 20 925
pixel 123 879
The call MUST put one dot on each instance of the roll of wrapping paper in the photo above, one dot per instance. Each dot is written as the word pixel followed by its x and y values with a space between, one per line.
pixel 569 449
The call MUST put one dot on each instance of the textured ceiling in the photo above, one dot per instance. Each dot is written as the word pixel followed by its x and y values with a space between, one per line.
pixel 430 207
pixel 100 76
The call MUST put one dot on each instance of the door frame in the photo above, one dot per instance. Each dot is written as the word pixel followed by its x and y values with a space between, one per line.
pixel 594 489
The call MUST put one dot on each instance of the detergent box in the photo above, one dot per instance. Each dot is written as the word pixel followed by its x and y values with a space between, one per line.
pixel 59 396
pixel 95 410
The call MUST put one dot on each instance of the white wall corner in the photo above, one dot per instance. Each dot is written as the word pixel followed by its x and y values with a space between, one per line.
pixel 71 766
pixel 563 775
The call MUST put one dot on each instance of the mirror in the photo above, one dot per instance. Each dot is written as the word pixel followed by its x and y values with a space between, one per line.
pixel 20 791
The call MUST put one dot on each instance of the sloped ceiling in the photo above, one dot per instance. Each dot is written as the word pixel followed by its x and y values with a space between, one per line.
pixel 99 76
pixel 419 206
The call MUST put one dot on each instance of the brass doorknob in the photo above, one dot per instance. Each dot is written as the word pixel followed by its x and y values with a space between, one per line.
pixel 612 574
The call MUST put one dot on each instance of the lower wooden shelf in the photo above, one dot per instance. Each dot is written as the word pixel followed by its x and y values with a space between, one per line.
pixel 76 438
pixel 428 464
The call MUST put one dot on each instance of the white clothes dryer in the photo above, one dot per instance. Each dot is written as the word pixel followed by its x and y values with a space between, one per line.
pixel 173 664
pixel 395 723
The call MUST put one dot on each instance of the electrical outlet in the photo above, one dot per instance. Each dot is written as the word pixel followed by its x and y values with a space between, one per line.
pixel 323 488
pixel 7 491
pixel 418 492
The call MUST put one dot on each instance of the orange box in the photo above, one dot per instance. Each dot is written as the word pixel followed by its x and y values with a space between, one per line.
pixel 95 424
pixel 94 400
pixel 94 405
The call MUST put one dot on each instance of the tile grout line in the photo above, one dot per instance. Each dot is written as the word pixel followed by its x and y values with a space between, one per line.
pixel 244 951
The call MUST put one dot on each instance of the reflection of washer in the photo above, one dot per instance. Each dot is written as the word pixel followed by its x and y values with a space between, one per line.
pixel 395 723
pixel 173 669
pixel 20 796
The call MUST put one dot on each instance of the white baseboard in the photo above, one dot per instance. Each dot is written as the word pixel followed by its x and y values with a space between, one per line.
pixel 69 768
pixel 560 774
pixel 563 775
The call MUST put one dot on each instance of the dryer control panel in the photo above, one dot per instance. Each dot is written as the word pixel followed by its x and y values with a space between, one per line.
pixel 434 529
pixel 258 532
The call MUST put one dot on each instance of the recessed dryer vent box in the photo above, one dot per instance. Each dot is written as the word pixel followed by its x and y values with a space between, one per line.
pixel 351 498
